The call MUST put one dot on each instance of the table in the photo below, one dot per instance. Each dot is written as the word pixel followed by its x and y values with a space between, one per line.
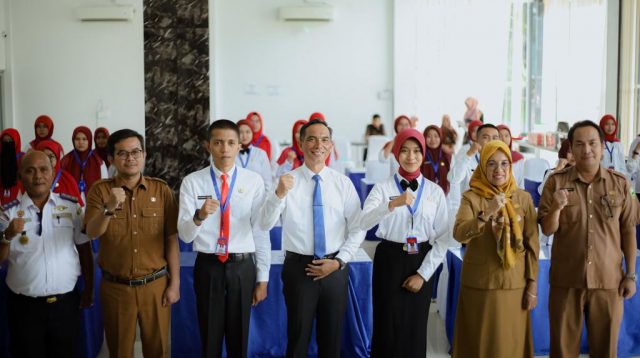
pixel 356 175
pixel 628 341
pixel 364 190
pixel 268 327
pixel 91 329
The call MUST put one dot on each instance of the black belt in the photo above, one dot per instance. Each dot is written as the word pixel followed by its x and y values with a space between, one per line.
pixel 141 281
pixel 45 299
pixel 422 246
pixel 233 257
pixel 304 258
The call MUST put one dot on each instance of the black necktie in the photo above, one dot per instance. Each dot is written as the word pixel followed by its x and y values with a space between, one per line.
pixel 245 151
pixel 409 184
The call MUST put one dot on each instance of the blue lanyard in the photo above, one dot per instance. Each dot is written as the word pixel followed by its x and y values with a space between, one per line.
pixel 223 206
pixel 245 163
pixel 82 164
pixel 55 181
pixel 259 139
pixel 477 157
pixel 435 164
pixel 610 151
pixel 412 210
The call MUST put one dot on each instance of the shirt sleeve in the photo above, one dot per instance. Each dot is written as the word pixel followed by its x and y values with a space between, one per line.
pixel 459 169
pixel 352 212
pixel 104 172
pixel 440 224
pixel 376 208
pixel 467 226
pixel 531 241
pixel 284 168
pixel 170 212
pixel 265 171
pixel 546 200
pixel 271 210
pixel 187 229
pixel 260 236
pixel 78 235
pixel 95 202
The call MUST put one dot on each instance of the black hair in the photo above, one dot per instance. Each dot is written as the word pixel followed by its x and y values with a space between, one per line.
pixel 376 116
pixel 582 124
pixel 120 135
pixel 303 130
pixel 223 124
pixel 486 125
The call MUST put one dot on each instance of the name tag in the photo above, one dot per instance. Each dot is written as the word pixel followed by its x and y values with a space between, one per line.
pixel 411 247
pixel 204 197
pixel 221 247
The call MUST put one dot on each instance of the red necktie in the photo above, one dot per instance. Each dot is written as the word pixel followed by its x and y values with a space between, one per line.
pixel 224 218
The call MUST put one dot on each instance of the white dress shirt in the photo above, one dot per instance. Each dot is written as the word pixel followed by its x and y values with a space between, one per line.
pixel 393 163
pixel 341 213
pixel 257 161
pixel 430 221
pixel 245 234
pixel 634 165
pixel 518 172
pixel 613 157
pixel 48 264
pixel 461 170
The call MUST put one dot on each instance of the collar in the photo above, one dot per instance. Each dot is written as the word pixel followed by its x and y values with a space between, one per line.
pixel 26 202
pixel 574 175
pixel 219 172
pixel 308 174
pixel 119 183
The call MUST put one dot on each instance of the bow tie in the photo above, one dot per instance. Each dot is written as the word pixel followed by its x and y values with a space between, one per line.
pixel 245 151
pixel 409 184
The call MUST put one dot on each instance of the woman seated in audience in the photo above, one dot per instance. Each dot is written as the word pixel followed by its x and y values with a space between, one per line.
pixel 253 158
pixel 498 287
pixel 259 139
pixel 437 162
pixel 613 154
pixel 411 214
pixel 291 157
pixel 374 128
pixel 82 162
pixel 449 136
pixel 101 138
pixel 401 123
pixel 10 155
pixel 63 181
pixel 518 159
pixel 472 114
pixel 43 128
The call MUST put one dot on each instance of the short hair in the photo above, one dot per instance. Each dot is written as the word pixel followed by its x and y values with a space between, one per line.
pixel 486 125
pixel 376 116
pixel 223 124
pixel 582 124
pixel 303 130
pixel 120 135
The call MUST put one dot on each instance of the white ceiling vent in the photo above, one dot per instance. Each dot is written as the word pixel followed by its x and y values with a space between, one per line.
pixel 105 13
pixel 322 13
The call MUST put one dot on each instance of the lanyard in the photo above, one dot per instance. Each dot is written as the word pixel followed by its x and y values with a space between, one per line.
pixel 412 210
pixel 435 164
pixel 610 151
pixel 477 157
pixel 82 164
pixel 223 206
pixel 55 181
pixel 259 140
pixel 245 163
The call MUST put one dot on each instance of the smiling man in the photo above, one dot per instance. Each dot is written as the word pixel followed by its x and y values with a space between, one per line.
pixel 319 208
pixel 219 213
pixel 589 210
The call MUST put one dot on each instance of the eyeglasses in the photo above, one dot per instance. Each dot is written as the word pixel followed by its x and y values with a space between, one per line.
pixel 491 165
pixel 135 154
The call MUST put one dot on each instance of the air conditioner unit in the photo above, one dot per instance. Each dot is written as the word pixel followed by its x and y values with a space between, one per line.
pixel 306 13
pixel 105 13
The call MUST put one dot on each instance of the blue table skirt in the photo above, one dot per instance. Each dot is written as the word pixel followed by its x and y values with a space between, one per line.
pixel 91 328
pixel 628 341
pixel 268 329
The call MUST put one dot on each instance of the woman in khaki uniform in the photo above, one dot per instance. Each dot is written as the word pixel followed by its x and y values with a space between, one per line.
pixel 497 221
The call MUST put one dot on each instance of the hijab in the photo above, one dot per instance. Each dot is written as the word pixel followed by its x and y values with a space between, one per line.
pixel 259 139
pixel 74 160
pixel 294 146
pixel 103 153
pixel 516 156
pixel 398 141
pixel 436 163
pixel 609 137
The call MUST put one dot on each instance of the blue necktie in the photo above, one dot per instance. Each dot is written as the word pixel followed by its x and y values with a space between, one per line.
pixel 319 249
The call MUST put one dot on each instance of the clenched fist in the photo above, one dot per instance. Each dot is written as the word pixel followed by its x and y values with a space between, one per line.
pixel 291 156
pixel 285 183
pixel 560 199
pixel 16 226
pixel 117 197
pixel 406 198
pixel 473 149
pixel 209 207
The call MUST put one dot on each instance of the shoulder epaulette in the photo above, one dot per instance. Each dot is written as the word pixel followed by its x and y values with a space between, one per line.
pixel 68 197
pixel 561 171
pixel 10 204
pixel 618 174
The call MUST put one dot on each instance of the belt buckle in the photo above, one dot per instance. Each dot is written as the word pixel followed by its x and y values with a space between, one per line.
pixel 52 299
pixel 136 282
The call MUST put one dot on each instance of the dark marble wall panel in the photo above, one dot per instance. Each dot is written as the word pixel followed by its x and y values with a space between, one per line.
pixel 176 45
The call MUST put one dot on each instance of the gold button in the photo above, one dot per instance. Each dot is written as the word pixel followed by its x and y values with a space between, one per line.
pixel 133 198
pixel 135 251
pixel 590 202
pixel 135 233
pixel 590 216
pixel 154 214
pixel 134 216
pixel 589 262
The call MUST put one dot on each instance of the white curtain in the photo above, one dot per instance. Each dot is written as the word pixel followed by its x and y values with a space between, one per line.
pixel 573 65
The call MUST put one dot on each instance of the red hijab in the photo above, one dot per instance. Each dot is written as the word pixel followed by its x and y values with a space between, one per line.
pixel 65 183
pixel 294 147
pixel 398 141
pixel 471 127
pixel 389 144
pixel 609 137
pixel 10 193
pixel 244 122
pixel 72 162
pixel 46 120
pixel 436 162
pixel 515 156
pixel 259 140
pixel 103 153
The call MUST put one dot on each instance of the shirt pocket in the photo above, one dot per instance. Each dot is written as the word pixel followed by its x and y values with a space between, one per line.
pixel 63 228
pixel 571 212
pixel 153 220
pixel 427 216
pixel 116 227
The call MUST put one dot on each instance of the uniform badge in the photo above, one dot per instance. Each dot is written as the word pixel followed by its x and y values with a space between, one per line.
pixel 24 239
pixel 20 213
pixel 61 208
pixel 241 190
pixel 79 212
pixel 153 199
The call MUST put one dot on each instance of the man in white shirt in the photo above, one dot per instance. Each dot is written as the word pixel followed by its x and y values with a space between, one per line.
pixel 40 231
pixel 219 213
pixel 319 209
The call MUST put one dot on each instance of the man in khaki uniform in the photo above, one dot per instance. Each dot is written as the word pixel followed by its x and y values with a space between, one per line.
pixel 589 210
pixel 135 218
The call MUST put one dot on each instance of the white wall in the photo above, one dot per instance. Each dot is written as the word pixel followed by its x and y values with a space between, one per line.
pixel 62 67
pixel 286 71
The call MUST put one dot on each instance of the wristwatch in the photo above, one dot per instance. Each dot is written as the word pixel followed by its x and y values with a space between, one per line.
pixel 635 152
pixel 106 211
pixel 341 263
pixel 196 216
pixel 631 276
pixel 3 239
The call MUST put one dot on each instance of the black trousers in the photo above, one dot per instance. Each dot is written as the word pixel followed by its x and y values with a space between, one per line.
pixel 224 292
pixel 399 316
pixel 306 299
pixel 39 329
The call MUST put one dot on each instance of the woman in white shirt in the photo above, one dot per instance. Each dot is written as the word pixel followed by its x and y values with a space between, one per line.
pixel 251 157
pixel 613 155
pixel 517 167
pixel 411 213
